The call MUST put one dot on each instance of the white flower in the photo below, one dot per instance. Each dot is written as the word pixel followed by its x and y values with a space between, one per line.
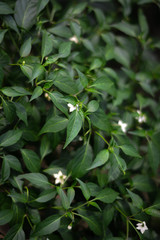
pixel 59 177
pixel 74 39
pixel 72 108
pixel 69 227
pixel 141 117
pixel 122 125
pixel 142 227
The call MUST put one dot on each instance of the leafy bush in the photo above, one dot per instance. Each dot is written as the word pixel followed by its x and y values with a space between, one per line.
pixel 79 121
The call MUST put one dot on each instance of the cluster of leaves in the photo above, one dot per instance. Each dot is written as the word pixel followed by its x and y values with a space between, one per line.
pixel 100 58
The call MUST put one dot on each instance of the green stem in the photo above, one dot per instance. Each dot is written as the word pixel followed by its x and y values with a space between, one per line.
pixel 135 230
pixel 83 204
pixel 29 221
pixel 102 138
pixel 127 231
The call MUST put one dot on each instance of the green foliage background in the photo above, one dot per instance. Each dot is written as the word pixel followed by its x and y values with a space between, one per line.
pixel 69 72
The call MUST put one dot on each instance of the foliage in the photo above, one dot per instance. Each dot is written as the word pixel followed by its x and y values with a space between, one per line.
pixel 79 121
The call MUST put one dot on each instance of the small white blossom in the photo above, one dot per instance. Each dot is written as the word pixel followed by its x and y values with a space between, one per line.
pixel 141 117
pixel 47 96
pixel 74 39
pixel 59 177
pixel 69 227
pixel 122 125
pixel 72 108
pixel 142 227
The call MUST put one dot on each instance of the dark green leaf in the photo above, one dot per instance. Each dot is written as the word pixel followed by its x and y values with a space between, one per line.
pixel 85 189
pixel 5 9
pixel 26 13
pixel 73 127
pixel 153 212
pixel 36 93
pixel 47 226
pixel 54 124
pixel 70 194
pixel 5 216
pixel 64 198
pixel 47 44
pixel 25 48
pixel 107 195
pixel 13 162
pixel 15 233
pixel 15 91
pixel 31 160
pixel 130 150
pixel 21 112
pixel 80 163
pixel 101 158
pixel 37 179
pixel 11 137
pixel 46 195
pixel 137 201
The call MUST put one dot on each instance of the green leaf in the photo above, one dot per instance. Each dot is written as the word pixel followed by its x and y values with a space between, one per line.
pixel 37 179
pixel 85 189
pixel 27 70
pixel 54 124
pixel 107 195
pixel 64 198
pixel 70 194
pixel 73 127
pixel 101 121
pixel 101 158
pixel 15 233
pixel 121 163
pixel 10 22
pixel 25 48
pixel 126 28
pixel 94 204
pixel 47 44
pixel 2 33
pixel 31 160
pixel 5 216
pixel 9 110
pixel 37 70
pixel 45 146
pixel 21 112
pixel 10 137
pixel 60 103
pixel 130 151
pixel 78 166
pixel 36 93
pixel 61 30
pixel 41 5
pixel 66 84
pixel 47 226
pixel 137 201
pixel 93 106
pixel 93 223
pixel 153 212
pixel 103 83
pixel 46 195
pixel 143 23
pixel 143 183
pixel 83 78
pixel 15 91
pixel 5 171
pixel 5 9
pixel 13 162
pixel 97 63
pixel 26 13
pixel 65 49
pixel 122 56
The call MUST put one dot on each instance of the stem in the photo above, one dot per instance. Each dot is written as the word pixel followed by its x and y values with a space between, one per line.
pixel 102 138
pixel 83 204
pixel 135 230
pixel 127 233
pixel 29 221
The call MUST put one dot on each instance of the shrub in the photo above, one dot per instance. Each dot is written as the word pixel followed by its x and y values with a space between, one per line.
pixel 79 121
